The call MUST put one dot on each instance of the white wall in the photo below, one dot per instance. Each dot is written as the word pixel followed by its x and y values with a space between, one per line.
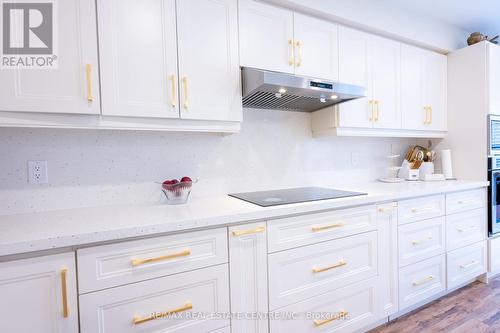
pixel 87 168
pixel 386 18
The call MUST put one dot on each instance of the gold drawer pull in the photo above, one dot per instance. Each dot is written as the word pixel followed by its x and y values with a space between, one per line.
pixel 467 229
pixel 238 233
pixel 427 279
pixel 341 314
pixel 388 209
pixel 88 71
pixel 370 103
pixel 137 262
pixel 330 226
pixel 336 265
pixel 160 315
pixel 423 209
pixel 416 242
pixel 472 263
pixel 64 287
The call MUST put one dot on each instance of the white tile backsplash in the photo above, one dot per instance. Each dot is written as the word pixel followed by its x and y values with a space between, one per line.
pixel 99 167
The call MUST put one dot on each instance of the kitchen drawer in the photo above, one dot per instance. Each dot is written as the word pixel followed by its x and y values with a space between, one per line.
pixel 466 263
pixel 173 298
pixel 466 200
pixel 308 229
pixel 298 274
pixel 421 209
pixel 421 240
pixel 465 228
pixel 113 265
pixel 422 280
pixel 345 310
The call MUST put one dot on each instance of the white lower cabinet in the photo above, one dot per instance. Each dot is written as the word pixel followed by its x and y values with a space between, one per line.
pixel 422 280
pixel 248 276
pixel 465 228
pixel 39 295
pixel 465 264
pixel 345 310
pixel 179 303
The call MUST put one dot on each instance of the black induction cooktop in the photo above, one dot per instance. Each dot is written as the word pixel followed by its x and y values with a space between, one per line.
pixel 293 195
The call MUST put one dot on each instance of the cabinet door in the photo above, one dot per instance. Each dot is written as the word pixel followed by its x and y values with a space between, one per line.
pixel 248 272
pixel 387 219
pixel 316 47
pixel 138 54
pixel 435 89
pixel 385 58
pixel 354 69
pixel 266 34
pixel 39 295
pixel 208 60
pixel 412 84
pixel 68 88
pixel 493 77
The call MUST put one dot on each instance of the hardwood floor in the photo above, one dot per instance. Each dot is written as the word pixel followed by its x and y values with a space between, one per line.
pixel 475 308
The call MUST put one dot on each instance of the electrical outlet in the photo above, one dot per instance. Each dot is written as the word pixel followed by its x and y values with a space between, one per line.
pixel 37 172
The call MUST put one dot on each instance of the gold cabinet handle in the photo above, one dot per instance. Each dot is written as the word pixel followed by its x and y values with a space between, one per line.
pixel 427 279
pixel 161 315
pixel 430 115
pixel 183 253
pixel 339 315
pixel 88 71
pixel 426 110
pixel 329 226
pixel 370 103
pixel 64 287
pixel 186 100
pixel 472 263
pixel 291 62
pixel 238 233
pixel 299 48
pixel 336 265
pixel 377 110
pixel 420 241
pixel 174 97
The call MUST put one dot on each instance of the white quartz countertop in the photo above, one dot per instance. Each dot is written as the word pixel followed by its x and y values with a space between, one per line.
pixel 83 226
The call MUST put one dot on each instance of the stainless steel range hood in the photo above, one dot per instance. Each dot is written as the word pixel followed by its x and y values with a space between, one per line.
pixel 280 91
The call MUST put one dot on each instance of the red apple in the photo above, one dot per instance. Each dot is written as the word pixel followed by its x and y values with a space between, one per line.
pixel 186 179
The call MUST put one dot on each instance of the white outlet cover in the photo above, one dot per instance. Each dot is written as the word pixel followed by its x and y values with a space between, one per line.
pixel 37 172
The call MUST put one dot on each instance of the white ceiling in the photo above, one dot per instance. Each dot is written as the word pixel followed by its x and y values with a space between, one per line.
pixel 470 15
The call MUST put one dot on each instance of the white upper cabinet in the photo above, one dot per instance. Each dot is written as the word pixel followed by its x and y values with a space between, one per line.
pixel 39 295
pixel 371 62
pixel 354 69
pixel 168 59
pixel 266 37
pixel 138 53
pixel 209 70
pixel 423 89
pixel 493 77
pixel 72 87
pixel 385 55
pixel 316 47
pixel 279 40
